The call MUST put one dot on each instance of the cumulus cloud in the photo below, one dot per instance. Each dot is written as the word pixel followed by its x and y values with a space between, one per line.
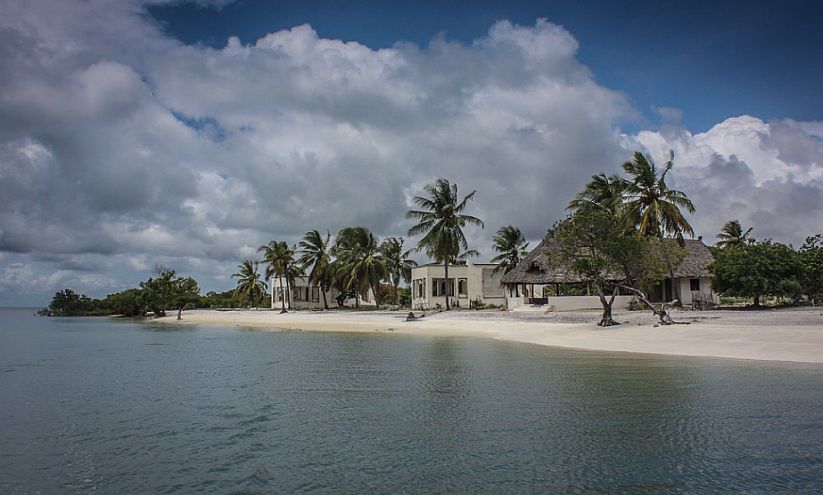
pixel 121 148
pixel 769 175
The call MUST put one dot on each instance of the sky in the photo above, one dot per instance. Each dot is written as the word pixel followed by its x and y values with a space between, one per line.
pixel 137 133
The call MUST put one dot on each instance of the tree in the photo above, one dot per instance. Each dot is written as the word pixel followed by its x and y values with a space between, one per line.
pixel 360 263
pixel 441 221
pixel 398 264
pixel 69 303
pixel 650 207
pixel 593 246
pixel 811 259
pixel 315 257
pixel 732 235
pixel 280 259
pixel 603 193
pixel 167 290
pixel 249 286
pixel 757 270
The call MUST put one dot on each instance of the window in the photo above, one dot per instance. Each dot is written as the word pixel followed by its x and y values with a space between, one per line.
pixel 315 294
pixel 435 286
pixel 694 284
pixel 462 287
pixel 420 284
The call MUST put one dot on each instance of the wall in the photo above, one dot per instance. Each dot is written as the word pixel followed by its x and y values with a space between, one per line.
pixel 569 303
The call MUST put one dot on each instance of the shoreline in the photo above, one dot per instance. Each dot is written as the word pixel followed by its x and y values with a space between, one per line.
pixel 781 335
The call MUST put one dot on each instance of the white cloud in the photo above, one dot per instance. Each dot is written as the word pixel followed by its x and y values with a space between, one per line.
pixel 769 175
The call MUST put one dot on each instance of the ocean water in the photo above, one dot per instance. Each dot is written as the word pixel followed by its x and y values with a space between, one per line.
pixel 116 406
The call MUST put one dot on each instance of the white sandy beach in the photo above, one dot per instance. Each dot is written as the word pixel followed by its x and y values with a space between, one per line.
pixel 774 335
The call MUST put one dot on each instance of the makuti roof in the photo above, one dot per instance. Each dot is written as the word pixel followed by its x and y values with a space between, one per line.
pixel 538 267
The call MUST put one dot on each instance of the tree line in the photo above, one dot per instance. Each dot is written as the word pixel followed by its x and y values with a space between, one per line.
pixel 748 268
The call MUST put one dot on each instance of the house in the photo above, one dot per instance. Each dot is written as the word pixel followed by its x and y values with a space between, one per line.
pixel 469 283
pixel 307 296
pixel 538 282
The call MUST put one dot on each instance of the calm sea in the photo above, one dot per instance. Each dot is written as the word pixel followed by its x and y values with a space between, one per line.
pixel 116 406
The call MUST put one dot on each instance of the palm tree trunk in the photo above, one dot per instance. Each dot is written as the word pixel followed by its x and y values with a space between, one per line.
pixel 325 303
pixel 446 271
pixel 376 299
pixel 396 295
pixel 288 291
pixel 282 295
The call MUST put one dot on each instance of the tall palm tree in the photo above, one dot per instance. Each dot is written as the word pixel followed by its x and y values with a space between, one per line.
pixel 441 220
pixel 315 257
pixel 249 285
pixel 280 259
pixel 398 264
pixel 651 208
pixel 361 263
pixel 603 193
pixel 732 235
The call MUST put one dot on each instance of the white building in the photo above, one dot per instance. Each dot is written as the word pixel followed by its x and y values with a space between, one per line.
pixel 468 284
pixel 307 296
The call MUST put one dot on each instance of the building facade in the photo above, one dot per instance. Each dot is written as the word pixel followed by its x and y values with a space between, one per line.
pixel 468 284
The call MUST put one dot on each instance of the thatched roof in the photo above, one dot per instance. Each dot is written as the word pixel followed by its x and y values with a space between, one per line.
pixel 541 267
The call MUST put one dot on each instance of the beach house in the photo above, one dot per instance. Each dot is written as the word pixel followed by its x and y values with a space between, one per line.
pixel 307 296
pixel 537 282
pixel 468 284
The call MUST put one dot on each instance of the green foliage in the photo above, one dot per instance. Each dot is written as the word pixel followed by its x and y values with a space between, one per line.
pixel 732 235
pixel 404 296
pixel 69 303
pixel 643 203
pixel 757 270
pixel 510 243
pixel 811 259
pixel 168 291
pixel 398 264
pixel 250 289
pixel 216 300
pixel 360 264
pixel 126 303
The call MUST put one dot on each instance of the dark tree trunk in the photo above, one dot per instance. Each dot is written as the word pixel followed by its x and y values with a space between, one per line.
pixel 376 299
pixel 662 313
pixel 446 271
pixel 606 319
pixel 282 295
pixel 757 301
pixel 180 313
pixel 396 295
pixel 325 302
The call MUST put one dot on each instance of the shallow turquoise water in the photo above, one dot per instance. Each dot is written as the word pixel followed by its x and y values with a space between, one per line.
pixel 123 407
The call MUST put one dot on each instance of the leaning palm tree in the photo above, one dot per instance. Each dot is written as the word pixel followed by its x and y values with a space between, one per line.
pixel 603 193
pixel 398 264
pixel 651 208
pixel 249 286
pixel 732 235
pixel 441 220
pixel 361 264
pixel 510 243
pixel 315 257
pixel 280 259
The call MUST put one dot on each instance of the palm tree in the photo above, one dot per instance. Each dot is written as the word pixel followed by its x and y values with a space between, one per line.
pixel 398 264
pixel 315 256
pixel 732 235
pixel 249 285
pixel 361 264
pixel 603 193
pixel 280 258
pixel 441 219
pixel 510 243
pixel 651 208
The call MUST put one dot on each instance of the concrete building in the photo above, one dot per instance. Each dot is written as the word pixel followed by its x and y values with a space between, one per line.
pixel 468 284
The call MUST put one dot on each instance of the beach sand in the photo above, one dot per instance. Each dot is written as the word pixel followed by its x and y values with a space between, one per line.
pixel 773 335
